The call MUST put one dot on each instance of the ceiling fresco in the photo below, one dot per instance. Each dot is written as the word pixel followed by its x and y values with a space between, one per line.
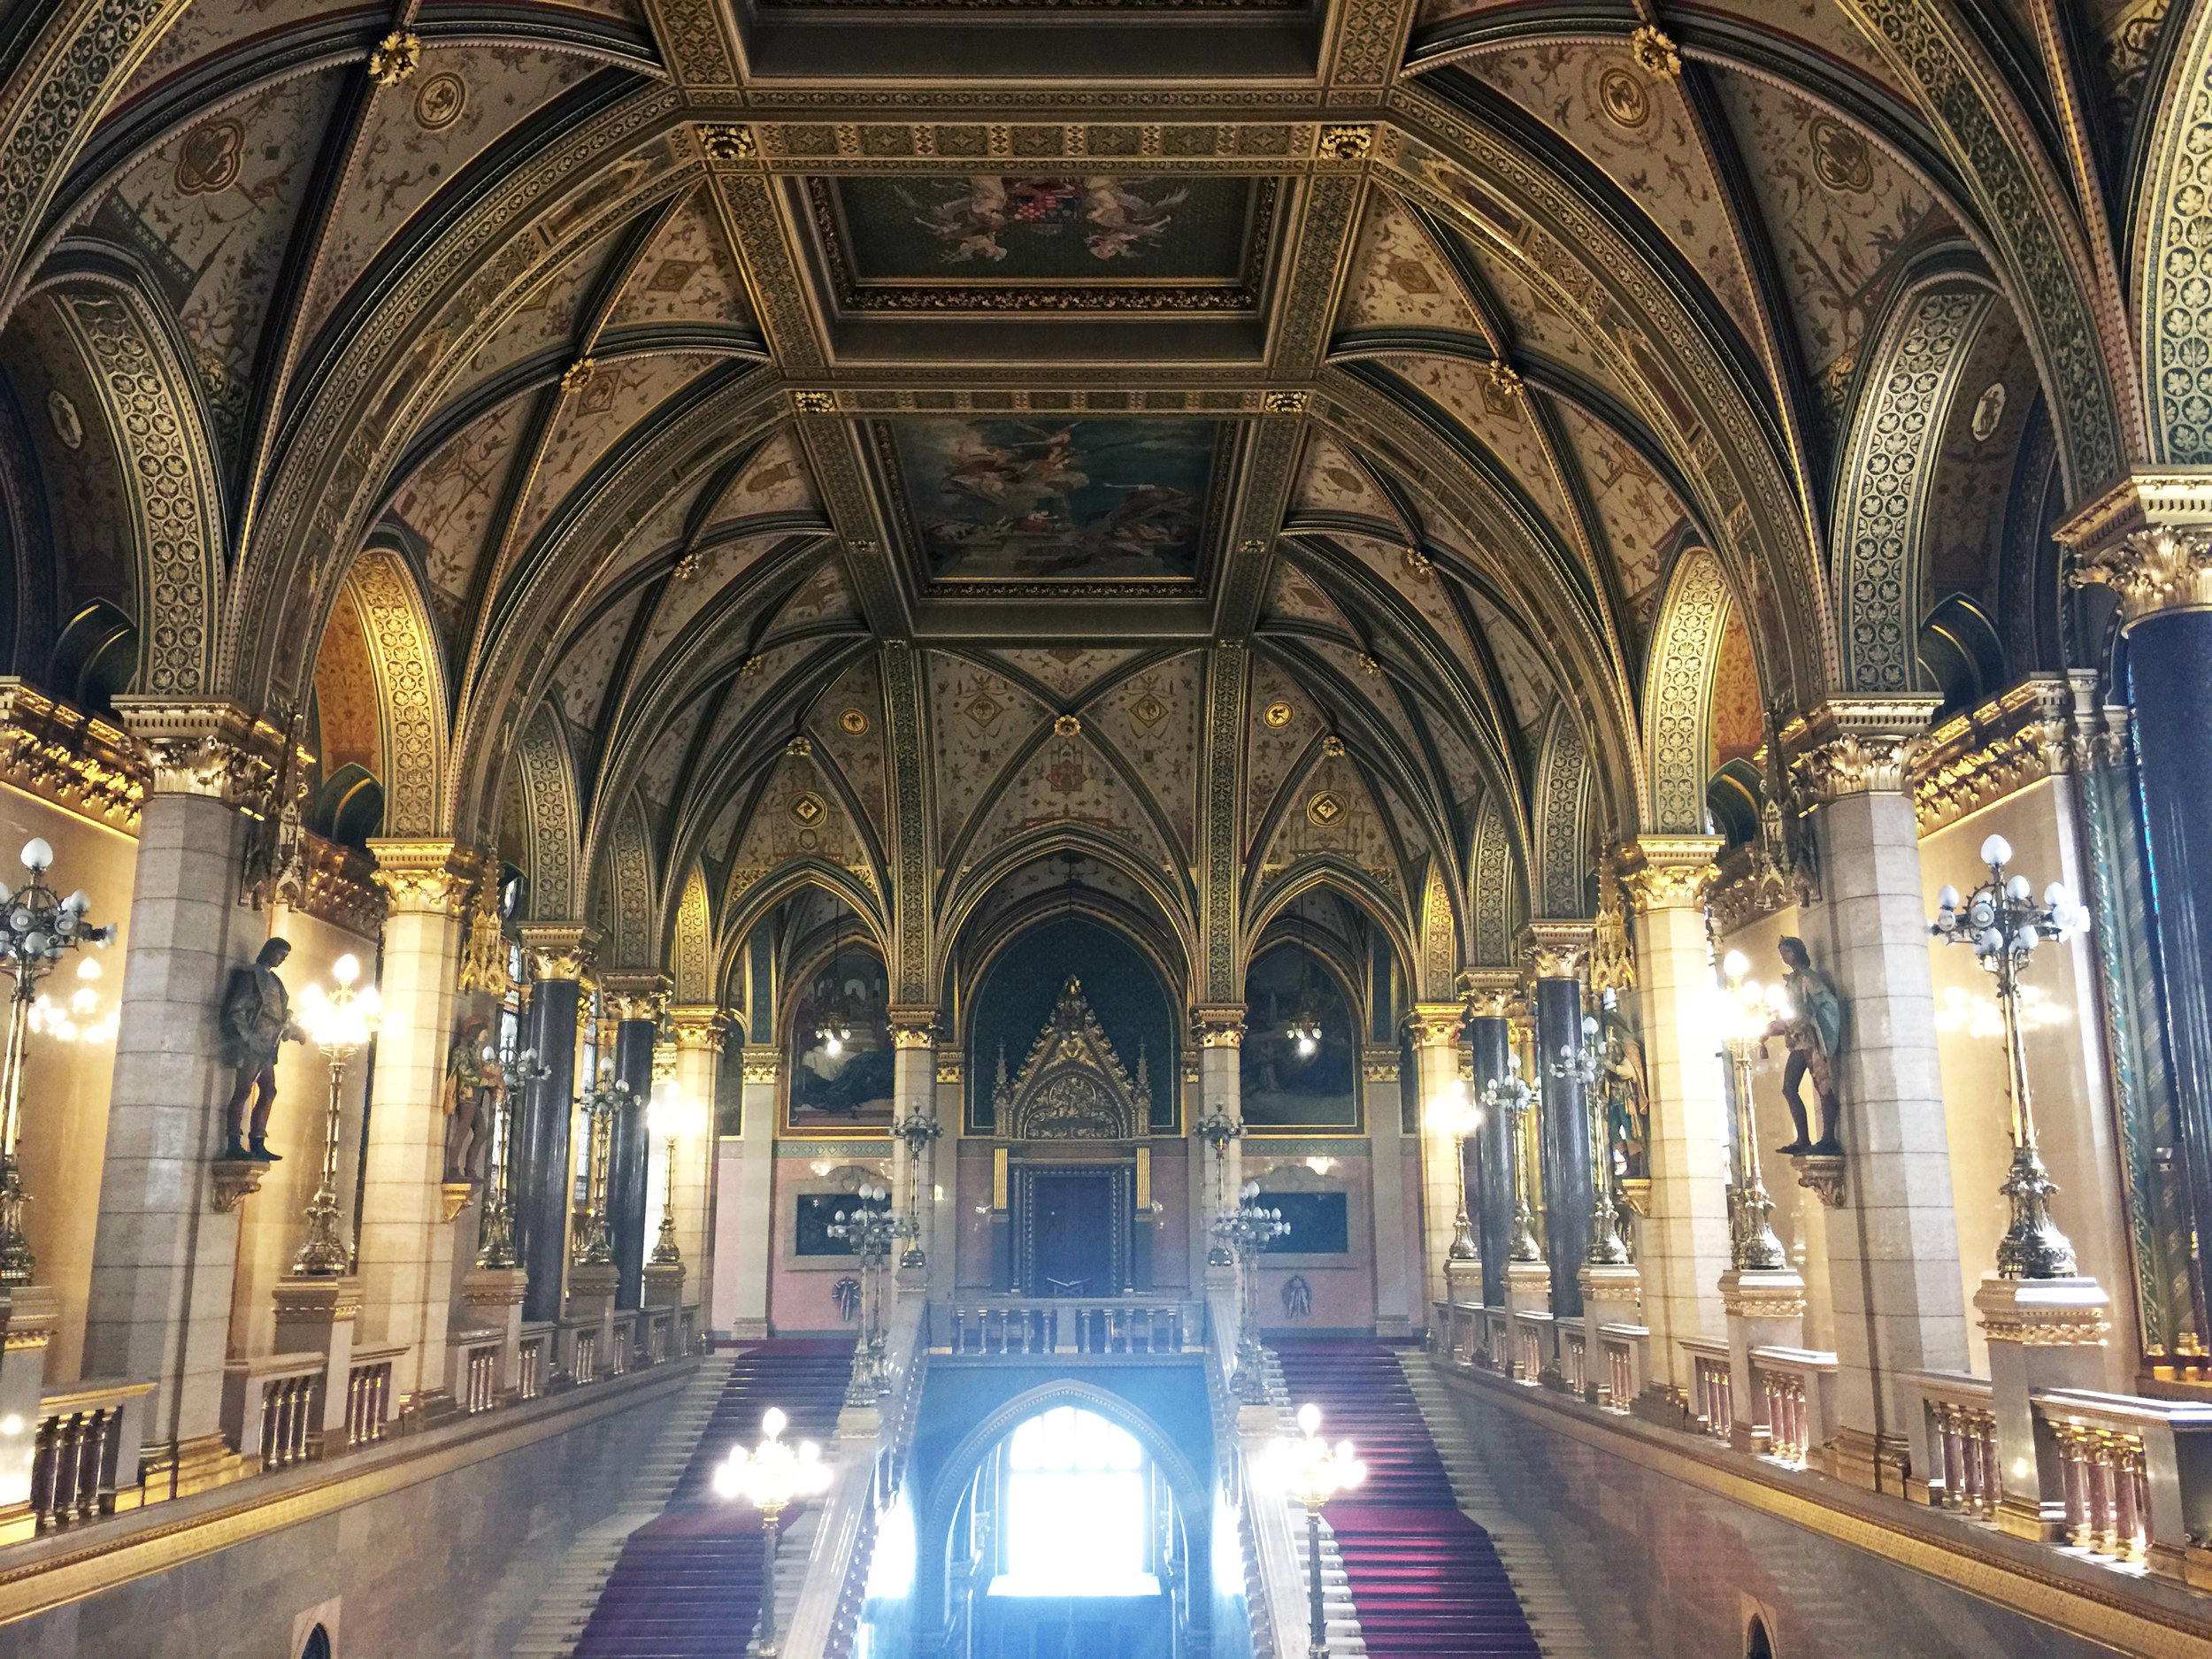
pixel 945 438
pixel 995 503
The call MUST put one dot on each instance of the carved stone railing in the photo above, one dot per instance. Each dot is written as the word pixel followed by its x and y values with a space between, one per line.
pixel 1533 1345
pixel 476 1355
pixel 1278 1552
pixel 1712 1390
pixel 1019 1327
pixel 1797 1387
pixel 86 1443
pixel 1626 1354
pixel 2136 1474
pixel 535 1359
pixel 1955 1442
pixel 369 1392
pixel 272 1407
pixel 872 1447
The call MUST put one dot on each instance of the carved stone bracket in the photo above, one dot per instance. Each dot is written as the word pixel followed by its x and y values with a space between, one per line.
pixel 235 1180
pixel 453 1197
pixel 1820 1174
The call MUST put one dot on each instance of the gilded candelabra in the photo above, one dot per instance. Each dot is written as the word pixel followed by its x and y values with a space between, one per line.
pixel 340 1022
pixel 672 1116
pixel 1216 1129
pixel 496 1232
pixel 918 1132
pixel 1456 1116
pixel 773 1477
pixel 1747 1010
pixel 37 929
pixel 1244 1234
pixel 870 1228
pixel 1513 1095
pixel 1310 1472
pixel 599 1105
pixel 2003 923
pixel 1580 1063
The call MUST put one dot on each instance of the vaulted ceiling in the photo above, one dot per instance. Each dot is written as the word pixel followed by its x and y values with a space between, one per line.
pixel 1250 443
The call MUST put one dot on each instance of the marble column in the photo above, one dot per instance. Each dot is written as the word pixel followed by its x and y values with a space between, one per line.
pixel 632 1001
pixel 406 1258
pixel 1436 1033
pixel 1219 1034
pixel 1892 1247
pixel 1398 1312
pixel 1557 952
pixel 700 1034
pixel 1489 1040
pixel 914 1093
pixel 164 1256
pixel 1685 1240
pixel 746 1208
pixel 944 1194
pixel 560 956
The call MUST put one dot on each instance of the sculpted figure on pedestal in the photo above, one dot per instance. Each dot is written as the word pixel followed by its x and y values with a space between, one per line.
pixel 475 1084
pixel 257 1017
pixel 1809 1021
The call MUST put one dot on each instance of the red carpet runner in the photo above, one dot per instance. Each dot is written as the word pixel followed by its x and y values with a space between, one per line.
pixel 1425 1578
pixel 688 1584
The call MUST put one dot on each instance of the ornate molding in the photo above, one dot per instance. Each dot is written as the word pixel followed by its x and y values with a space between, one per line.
pixel 560 950
pixel 1072 1086
pixel 699 1026
pixel 1554 947
pixel 215 750
pixel 340 887
pixel 2163 568
pixel 1851 746
pixel 950 1066
pixel 1218 1026
pixel 1672 872
pixel 2044 1312
pixel 68 758
pixel 424 878
pixel 762 1062
pixel 2017 738
pixel 1820 1174
pixel 1436 1025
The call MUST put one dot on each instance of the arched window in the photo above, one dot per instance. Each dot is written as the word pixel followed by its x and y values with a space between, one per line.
pixel 1078 1509
pixel 318 1645
pixel 1755 1645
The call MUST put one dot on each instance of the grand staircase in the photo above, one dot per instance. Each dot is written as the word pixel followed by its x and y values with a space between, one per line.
pixel 1426 1580
pixel 687 1584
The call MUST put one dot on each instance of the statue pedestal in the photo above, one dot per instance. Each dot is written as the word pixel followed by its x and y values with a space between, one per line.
pixel 493 1296
pixel 1611 1295
pixel 1765 1308
pixel 663 1283
pixel 1462 1300
pixel 1528 1310
pixel 2043 1334
pixel 32 1313
pixel 316 1316
pixel 590 1313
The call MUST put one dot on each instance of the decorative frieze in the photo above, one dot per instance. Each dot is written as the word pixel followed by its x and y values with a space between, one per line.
pixel 1856 745
pixel 71 759
pixel 1977 759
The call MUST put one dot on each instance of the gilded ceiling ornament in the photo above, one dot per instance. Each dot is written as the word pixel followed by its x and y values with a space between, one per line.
pixel 1068 725
pixel 1417 564
pixel 1332 746
pixel 797 746
pixel 439 102
pixel 752 667
pixel 1284 403
pixel 2159 568
pixel 807 808
pixel 395 58
pixel 1325 808
pixel 577 375
pixel 727 140
pixel 1370 664
pixel 1345 143
pixel 1656 52
pixel 814 403
pixel 1277 715
pixel 853 721
pixel 1505 377
pixel 688 567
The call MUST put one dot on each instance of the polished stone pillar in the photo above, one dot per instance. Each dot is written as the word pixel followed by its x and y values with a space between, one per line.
pixel 1220 1033
pixel 1436 1030
pixel 560 958
pixel 1489 1040
pixel 747 1206
pixel 1892 1247
pixel 1684 1242
pixel 914 1093
pixel 406 1259
pixel 1556 953
pixel 700 1034
pixel 1398 1311
pixel 630 999
pixel 162 1256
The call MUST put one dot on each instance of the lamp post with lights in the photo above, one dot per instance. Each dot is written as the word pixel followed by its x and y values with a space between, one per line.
pixel 1216 1129
pixel 1456 1116
pixel 340 1022
pixel 1581 1063
pixel 2003 923
pixel 1513 1095
pixel 496 1237
pixel 870 1228
pixel 772 1477
pixel 671 1115
pixel 1311 1471
pixel 600 1106
pixel 1246 1232
pixel 918 1132
pixel 38 927
pixel 1746 1009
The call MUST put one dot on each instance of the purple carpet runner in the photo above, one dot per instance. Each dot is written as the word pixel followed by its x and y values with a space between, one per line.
pixel 687 1586
pixel 1426 1580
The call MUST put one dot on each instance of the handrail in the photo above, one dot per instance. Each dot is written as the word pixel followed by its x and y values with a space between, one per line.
pixel 871 1462
pixel 1282 1569
pixel 1027 1326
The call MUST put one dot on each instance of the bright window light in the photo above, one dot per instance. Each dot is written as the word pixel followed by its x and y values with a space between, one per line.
pixel 1076 1510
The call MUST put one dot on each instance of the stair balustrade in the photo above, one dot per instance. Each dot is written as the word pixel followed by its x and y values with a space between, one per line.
pixel 1797 1388
pixel 1015 1327
pixel 369 1393
pixel 87 1439
pixel 1712 1392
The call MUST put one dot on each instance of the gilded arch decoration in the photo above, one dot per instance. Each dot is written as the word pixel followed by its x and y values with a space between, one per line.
pixel 632 940
pixel 693 953
pixel 548 786
pixel 1562 813
pixel 2176 262
pixel 410 711
pixel 1678 692
pixel 1492 889
pixel 1904 402
pixel 1439 934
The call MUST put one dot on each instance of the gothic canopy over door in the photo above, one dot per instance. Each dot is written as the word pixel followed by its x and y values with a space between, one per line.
pixel 1072 1086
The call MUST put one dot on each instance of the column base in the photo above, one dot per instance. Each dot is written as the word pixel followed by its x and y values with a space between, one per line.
pixel 178 1469
pixel 663 1283
pixel 1870 1462
pixel 1611 1295
pixel 749 1330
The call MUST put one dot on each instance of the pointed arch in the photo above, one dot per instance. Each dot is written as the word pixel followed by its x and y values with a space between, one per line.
pixel 1562 817
pixel 751 896
pixel 628 896
pixel 1679 691
pixel 411 681
pixel 1493 892
pixel 549 793
pixel 694 954
pixel 1344 878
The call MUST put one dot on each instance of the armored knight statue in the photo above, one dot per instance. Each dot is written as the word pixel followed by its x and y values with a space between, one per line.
pixel 475 1084
pixel 1809 1022
pixel 256 1019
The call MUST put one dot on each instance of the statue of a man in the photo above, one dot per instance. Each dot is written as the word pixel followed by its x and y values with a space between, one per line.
pixel 475 1084
pixel 1628 1099
pixel 1810 1024
pixel 257 1017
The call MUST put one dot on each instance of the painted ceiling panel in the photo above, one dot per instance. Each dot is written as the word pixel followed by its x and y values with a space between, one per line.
pixel 210 27
pixel 212 213
pixel 456 104
pixel 1418 583
pixel 1334 813
pixel 824 598
pixel 450 502
pixel 978 719
pixel 799 816
pixel 587 665
pixel 657 777
pixel 1540 326
pixel 688 275
pixel 847 724
pixel 1399 278
pixel 1067 783
pixel 1499 420
pixel 1837 207
pixel 1370 682
pixel 752 684
pixel 1330 480
pixel 1528 679
pixel 1153 718
pixel 685 596
pixel 547 319
pixel 1292 596
pixel 776 481
pixel 1640 515
pixel 594 419
pixel 1738 725
pixel 1281 726
pixel 1066 670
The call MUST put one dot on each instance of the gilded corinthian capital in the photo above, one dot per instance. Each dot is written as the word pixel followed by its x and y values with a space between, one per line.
pixel 1857 745
pixel 425 878
pixel 1672 872
pixel 699 1026
pixel 2164 568
pixel 560 950
pixel 1221 1027
pixel 634 993
pixel 215 750
pixel 1555 948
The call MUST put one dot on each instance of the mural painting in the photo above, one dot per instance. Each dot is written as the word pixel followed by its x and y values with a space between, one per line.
pixel 840 1049
pixel 1087 500
pixel 1301 1056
